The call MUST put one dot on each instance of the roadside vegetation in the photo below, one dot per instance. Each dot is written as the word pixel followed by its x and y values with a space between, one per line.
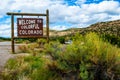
pixel 112 39
pixel 4 39
pixel 88 57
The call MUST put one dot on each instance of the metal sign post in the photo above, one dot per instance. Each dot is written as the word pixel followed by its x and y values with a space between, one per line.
pixel 29 27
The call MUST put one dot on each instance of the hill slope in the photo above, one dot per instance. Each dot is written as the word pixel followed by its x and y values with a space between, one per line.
pixel 110 27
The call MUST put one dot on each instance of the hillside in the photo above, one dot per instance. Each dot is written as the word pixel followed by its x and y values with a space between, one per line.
pixel 110 27
pixel 71 31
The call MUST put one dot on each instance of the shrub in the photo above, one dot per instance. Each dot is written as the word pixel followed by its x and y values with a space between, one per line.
pixel 41 42
pixel 87 58
pixel 28 68
pixel 113 39
pixel 23 48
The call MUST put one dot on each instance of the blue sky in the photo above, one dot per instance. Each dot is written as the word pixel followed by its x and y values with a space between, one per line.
pixel 64 14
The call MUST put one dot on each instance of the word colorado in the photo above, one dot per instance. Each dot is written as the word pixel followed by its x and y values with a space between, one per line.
pixel 29 32
pixel 30 26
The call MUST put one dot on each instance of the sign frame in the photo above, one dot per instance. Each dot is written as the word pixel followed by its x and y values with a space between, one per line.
pixel 12 14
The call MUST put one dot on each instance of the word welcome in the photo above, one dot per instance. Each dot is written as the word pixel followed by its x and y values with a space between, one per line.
pixel 26 21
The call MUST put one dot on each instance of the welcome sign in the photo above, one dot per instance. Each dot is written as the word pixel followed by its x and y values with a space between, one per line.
pixel 29 27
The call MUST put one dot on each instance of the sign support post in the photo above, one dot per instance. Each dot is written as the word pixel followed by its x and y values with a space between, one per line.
pixel 27 14
pixel 47 25
pixel 12 33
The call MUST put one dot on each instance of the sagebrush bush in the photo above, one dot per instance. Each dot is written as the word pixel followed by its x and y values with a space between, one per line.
pixel 23 48
pixel 41 42
pixel 87 58
pixel 28 68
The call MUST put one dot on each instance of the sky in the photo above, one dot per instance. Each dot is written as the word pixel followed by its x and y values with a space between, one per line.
pixel 64 14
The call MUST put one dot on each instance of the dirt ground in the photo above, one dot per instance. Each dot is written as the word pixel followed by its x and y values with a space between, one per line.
pixel 5 53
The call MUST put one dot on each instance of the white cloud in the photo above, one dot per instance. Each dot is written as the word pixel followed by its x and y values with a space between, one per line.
pixel 105 6
pixel 30 5
pixel 5 30
pixel 5 33
pixel 4 27
pixel 114 17
pixel 58 27
pixel 80 15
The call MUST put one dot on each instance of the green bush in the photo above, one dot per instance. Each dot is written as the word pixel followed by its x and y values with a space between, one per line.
pixel 87 58
pixel 41 42
pixel 61 39
pixel 113 39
